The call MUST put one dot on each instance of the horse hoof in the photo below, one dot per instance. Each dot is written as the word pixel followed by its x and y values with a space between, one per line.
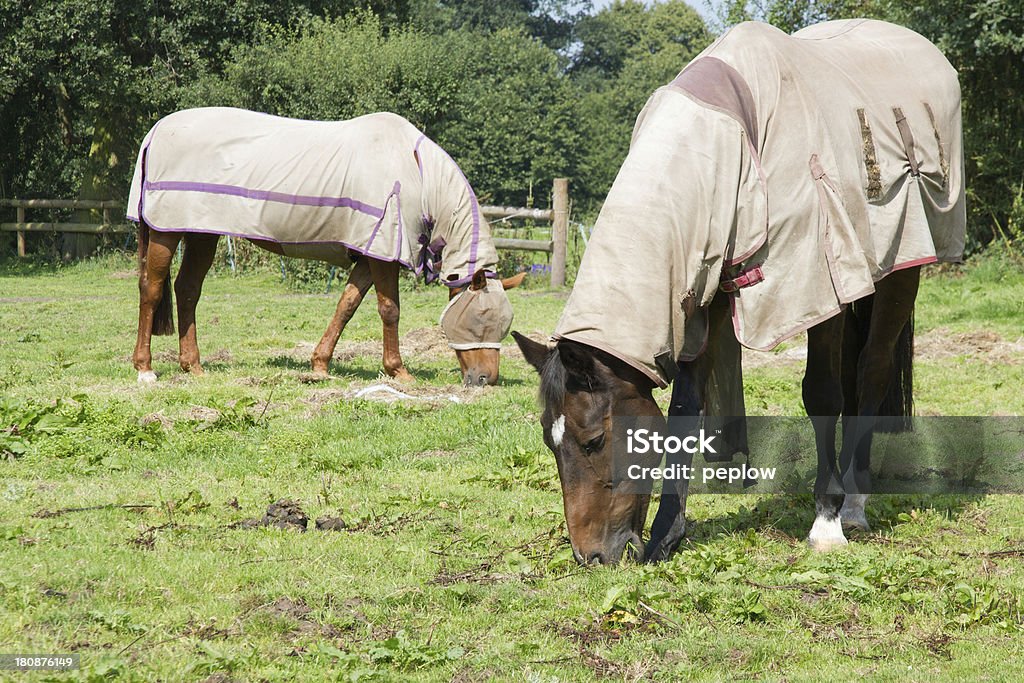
pixel 852 512
pixel 147 377
pixel 403 377
pixel 826 534
pixel 855 523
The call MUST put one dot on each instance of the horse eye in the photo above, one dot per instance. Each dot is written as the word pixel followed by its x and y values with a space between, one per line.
pixel 594 445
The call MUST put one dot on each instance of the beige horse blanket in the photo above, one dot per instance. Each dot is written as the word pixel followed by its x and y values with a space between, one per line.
pixel 792 172
pixel 373 185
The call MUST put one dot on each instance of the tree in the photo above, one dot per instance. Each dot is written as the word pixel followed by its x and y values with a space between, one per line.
pixel 627 51
pixel 82 80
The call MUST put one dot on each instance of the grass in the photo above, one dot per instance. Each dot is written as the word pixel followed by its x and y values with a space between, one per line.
pixel 117 513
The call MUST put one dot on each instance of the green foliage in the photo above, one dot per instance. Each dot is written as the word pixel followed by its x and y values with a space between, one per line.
pixel 21 422
pixel 628 50
pixel 513 125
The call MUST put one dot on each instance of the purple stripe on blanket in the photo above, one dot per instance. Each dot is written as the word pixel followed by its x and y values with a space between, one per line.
pixel 263 195
pixel 261 238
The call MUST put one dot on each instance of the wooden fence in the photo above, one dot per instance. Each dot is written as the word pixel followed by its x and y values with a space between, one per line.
pixel 558 216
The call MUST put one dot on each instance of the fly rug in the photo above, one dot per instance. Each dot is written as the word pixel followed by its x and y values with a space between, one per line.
pixel 372 190
pixel 779 184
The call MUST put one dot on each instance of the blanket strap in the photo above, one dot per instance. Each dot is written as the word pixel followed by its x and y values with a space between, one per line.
pixel 907 138
pixel 750 276
pixel 429 260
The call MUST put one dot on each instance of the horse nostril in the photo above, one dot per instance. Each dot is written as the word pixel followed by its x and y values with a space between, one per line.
pixel 596 558
pixel 482 380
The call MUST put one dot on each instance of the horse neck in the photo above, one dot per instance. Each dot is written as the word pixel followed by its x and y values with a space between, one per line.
pixel 450 201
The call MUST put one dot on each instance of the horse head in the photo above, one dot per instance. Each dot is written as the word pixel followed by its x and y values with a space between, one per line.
pixel 583 390
pixel 476 319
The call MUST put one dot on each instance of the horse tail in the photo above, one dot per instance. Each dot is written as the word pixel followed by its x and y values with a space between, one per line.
pixel 163 314
pixel 898 403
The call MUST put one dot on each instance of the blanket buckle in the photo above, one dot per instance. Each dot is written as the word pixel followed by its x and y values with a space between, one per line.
pixel 750 276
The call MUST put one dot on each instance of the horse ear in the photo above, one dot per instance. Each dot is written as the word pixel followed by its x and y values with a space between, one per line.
pixel 479 280
pixel 578 360
pixel 535 353
pixel 513 282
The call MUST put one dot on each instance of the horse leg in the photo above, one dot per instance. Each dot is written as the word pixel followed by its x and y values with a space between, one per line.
pixel 359 282
pixel 852 514
pixel 385 281
pixel 876 363
pixel 155 252
pixel 669 525
pixel 188 286
pixel 693 396
pixel 823 400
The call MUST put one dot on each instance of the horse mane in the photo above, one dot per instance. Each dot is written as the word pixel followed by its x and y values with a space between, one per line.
pixel 553 377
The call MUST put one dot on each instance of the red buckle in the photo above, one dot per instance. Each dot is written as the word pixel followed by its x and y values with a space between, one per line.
pixel 748 277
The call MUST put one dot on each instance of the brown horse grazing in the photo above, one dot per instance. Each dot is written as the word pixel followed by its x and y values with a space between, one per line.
pixel 741 217
pixel 368 191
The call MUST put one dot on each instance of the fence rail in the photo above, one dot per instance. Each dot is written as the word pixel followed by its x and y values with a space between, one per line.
pixel 558 216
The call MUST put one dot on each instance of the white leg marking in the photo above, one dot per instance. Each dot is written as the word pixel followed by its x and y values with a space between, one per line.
pixel 147 377
pixel 852 513
pixel 826 534
pixel 558 431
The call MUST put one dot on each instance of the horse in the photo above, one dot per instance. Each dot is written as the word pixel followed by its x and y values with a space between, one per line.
pixel 372 193
pixel 779 184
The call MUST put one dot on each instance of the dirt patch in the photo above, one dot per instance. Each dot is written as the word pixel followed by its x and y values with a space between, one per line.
pixel 426 342
pixel 983 345
pixel 201 414
pixel 792 352
pixel 423 342
pixel 938 344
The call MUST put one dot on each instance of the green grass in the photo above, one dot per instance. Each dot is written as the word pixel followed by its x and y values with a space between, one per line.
pixel 455 563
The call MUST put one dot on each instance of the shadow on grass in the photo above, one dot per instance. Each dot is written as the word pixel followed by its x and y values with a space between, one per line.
pixel 793 515
pixel 340 369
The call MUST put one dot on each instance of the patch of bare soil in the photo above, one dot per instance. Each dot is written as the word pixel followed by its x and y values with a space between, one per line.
pixel 201 414
pixel 790 352
pixel 983 345
pixel 423 342
pixel 296 611
pixel 937 344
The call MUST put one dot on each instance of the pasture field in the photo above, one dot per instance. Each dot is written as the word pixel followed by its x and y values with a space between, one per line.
pixel 120 504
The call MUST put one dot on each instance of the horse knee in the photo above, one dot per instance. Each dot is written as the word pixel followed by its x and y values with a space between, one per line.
pixel 388 311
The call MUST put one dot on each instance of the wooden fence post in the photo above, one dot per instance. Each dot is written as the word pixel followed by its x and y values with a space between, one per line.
pixel 559 229
pixel 21 233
